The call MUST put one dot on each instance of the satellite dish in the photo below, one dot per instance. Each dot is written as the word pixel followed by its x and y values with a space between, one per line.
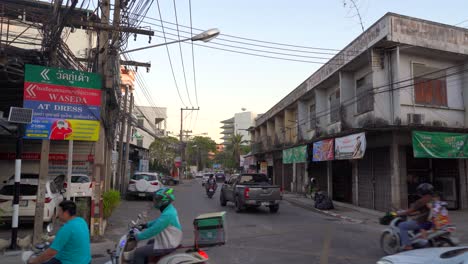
pixel 243 109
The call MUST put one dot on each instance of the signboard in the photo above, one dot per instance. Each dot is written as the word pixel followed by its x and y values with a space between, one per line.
pixel 65 99
pixel 295 155
pixel 440 145
pixel 143 166
pixel 60 167
pixel 63 129
pixel 350 147
pixel 52 156
pixel 264 167
pixel 323 150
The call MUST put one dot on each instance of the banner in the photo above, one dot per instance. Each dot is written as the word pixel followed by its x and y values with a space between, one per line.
pixel 63 129
pixel 350 147
pixel 295 155
pixel 264 167
pixel 440 145
pixel 323 150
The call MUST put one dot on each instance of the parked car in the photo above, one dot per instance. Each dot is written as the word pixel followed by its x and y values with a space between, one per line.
pixel 447 255
pixel 250 190
pixel 199 174
pixel 169 180
pixel 205 178
pixel 28 196
pixel 81 186
pixel 143 184
pixel 220 177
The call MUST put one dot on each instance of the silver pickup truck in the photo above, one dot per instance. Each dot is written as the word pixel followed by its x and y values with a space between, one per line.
pixel 250 190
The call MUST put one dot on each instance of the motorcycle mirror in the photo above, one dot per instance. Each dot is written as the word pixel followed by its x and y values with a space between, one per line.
pixel 133 223
pixel 140 216
pixel 49 228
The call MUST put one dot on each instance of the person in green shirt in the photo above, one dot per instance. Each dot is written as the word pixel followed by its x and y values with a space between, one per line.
pixel 71 244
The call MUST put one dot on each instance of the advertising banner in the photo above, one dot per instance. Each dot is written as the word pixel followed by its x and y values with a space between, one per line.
pixel 263 167
pixel 295 155
pixel 350 147
pixel 323 150
pixel 63 129
pixel 440 145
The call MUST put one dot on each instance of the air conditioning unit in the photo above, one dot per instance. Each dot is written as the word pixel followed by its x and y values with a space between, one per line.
pixel 415 119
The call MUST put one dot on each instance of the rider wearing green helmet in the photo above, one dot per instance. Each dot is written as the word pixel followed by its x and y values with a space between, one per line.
pixel 165 230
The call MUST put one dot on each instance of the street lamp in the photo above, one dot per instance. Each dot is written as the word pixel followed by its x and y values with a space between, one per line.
pixel 205 36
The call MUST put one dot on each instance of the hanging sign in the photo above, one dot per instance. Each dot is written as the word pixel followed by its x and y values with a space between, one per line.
pixel 350 147
pixel 440 145
pixel 323 150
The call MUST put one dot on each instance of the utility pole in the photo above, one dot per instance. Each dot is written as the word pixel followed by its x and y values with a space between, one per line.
pixel 121 136
pixel 127 146
pixel 182 146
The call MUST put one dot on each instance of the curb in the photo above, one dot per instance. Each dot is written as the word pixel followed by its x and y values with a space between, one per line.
pixel 324 212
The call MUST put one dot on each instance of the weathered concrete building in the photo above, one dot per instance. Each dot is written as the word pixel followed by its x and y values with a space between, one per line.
pixel 401 75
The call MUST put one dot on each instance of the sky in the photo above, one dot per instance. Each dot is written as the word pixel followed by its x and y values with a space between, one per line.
pixel 227 82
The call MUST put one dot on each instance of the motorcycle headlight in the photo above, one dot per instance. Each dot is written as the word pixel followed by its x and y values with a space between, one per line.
pixel 383 261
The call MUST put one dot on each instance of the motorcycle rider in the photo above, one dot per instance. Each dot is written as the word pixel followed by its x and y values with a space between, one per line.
pixel 166 229
pixel 418 213
pixel 211 183
pixel 71 244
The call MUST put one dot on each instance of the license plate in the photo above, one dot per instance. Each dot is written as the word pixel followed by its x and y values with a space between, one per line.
pixel 211 190
pixel 265 203
pixel 141 194
pixel 23 203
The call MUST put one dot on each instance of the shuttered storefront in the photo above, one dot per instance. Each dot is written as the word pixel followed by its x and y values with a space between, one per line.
pixel 288 176
pixel 374 180
pixel 446 180
pixel 318 170
pixel 300 174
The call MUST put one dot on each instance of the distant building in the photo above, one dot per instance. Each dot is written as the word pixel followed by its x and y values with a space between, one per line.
pixel 237 125
pixel 151 122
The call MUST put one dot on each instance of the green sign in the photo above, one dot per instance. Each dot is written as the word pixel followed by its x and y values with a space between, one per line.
pixel 440 145
pixel 41 74
pixel 295 155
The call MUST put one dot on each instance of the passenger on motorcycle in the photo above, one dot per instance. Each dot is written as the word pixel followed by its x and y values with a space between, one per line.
pixel 418 213
pixel 166 229
pixel 71 244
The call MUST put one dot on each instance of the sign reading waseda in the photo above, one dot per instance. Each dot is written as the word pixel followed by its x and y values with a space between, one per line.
pixel 440 145
pixel 350 147
pixel 66 103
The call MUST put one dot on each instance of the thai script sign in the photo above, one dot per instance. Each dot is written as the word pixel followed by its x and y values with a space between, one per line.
pixel 350 147
pixel 440 145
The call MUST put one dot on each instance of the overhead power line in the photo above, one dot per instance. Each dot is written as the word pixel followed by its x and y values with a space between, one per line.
pixel 193 58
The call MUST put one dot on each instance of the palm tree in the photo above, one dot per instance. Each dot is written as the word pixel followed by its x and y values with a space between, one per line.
pixel 236 143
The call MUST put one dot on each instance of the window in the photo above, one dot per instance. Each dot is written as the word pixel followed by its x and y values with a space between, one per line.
pixel 334 101
pixel 53 188
pixel 365 96
pixel 141 122
pixel 140 143
pixel 254 178
pixel 430 85
pixel 312 119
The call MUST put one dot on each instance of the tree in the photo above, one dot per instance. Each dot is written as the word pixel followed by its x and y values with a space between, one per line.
pixel 236 144
pixel 163 151
pixel 198 149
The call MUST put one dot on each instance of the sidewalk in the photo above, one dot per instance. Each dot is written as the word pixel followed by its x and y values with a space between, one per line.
pixel 359 215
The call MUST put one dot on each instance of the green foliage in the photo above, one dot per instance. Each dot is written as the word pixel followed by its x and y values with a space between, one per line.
pixel 111 199
pixel 163 152
pixel 197 151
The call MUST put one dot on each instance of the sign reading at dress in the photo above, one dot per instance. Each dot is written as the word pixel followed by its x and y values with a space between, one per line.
pixel 323 150
pixel 350 147
pixel 66 103
pixel 440 145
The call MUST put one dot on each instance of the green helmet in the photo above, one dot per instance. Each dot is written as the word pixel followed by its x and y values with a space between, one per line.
pixel 163 197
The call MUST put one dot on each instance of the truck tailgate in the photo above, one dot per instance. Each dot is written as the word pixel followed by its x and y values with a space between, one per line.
pixel 264 193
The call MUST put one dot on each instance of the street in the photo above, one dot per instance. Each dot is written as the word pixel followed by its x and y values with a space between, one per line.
pixel 293 235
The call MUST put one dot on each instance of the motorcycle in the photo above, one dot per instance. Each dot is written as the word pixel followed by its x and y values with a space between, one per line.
pixel 390 240
pixel 210 190
pixel 125 249
pixel 38 249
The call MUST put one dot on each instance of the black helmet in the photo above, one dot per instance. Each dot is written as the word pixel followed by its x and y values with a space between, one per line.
pixel 425 188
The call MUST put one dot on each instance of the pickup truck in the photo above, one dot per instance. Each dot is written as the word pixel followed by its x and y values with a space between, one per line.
pixel 250 190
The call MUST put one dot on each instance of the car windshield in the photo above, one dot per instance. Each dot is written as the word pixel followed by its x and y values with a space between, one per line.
pixel 254 178
pixel 80 179
pixel 145 177
pixel 25 189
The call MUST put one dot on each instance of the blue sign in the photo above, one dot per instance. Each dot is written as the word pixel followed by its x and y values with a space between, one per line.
pixel 66 111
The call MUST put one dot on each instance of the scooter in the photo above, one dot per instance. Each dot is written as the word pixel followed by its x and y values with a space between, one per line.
pixel 210 190
pixel 390 240
pixel 38 249
pixel 125 250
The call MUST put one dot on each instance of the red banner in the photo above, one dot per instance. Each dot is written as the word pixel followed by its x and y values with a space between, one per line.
pixel 61 94
pixel 52 156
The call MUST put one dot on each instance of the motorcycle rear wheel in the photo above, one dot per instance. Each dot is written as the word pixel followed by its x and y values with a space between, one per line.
pixel 390 243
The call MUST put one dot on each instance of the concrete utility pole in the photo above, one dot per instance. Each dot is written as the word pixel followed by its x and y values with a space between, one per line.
pixel 121 136
pixel 127 146
pixel 181 138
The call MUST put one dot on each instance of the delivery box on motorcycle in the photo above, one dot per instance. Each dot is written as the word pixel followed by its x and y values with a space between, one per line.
pixel 209 229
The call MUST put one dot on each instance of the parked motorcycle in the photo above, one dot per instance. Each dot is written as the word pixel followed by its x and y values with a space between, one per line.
pixel 38 249
pixel 125 249
pixel 390 240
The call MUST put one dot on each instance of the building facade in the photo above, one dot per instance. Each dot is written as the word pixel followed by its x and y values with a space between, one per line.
pixel 403 77
pixel 237 125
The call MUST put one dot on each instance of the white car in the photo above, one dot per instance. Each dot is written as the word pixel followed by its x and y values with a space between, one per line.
pixel 28 197
pixel 199 174
pixel 444 255
pixel 143 184
pixel 81 186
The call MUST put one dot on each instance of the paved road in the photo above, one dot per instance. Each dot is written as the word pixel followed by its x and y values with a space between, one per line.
pixel 293 235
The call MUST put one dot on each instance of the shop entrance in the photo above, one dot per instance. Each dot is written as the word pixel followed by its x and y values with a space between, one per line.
pixel 342 181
